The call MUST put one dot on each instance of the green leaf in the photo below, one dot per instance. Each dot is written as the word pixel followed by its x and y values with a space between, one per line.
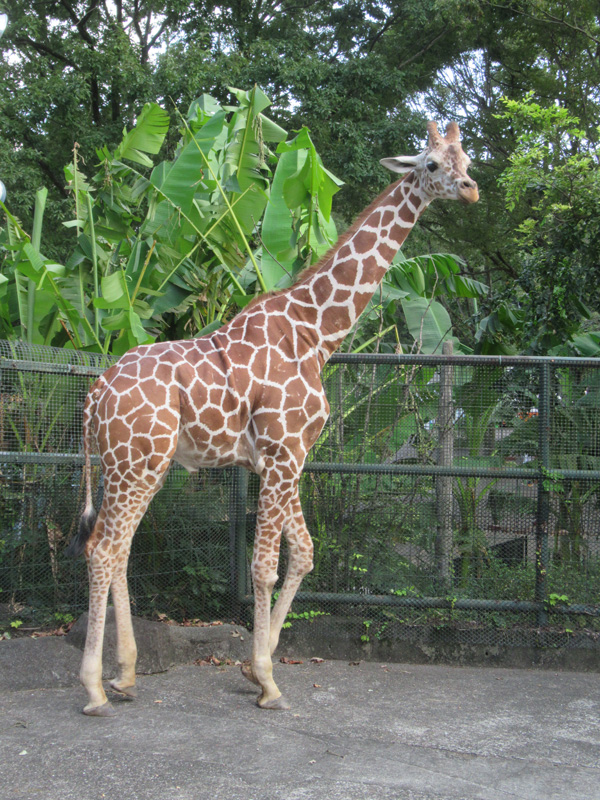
pixel 137 329
pixel 428 322
pixel 296 189
pixel 179 180
pixel 114 292
pixel 587 344
pixel 147 136
pixel 210 328
pixel 278 255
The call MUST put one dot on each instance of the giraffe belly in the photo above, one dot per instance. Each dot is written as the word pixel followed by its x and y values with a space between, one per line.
pixel 193 455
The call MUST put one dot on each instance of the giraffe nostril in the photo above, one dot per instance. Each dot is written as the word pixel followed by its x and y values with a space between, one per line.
pixel 468 191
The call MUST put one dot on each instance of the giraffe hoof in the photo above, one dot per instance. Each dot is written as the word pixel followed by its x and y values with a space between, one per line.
pixel 247 672
pixel 126 692
pixel 275 704
pixel 105 710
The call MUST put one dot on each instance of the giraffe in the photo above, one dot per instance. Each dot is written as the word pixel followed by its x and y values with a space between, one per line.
pixel 248 394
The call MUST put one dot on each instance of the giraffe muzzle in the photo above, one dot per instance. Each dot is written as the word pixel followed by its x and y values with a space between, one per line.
pixel 468 192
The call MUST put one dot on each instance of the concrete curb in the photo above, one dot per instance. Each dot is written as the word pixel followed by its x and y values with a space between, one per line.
pixel 53 662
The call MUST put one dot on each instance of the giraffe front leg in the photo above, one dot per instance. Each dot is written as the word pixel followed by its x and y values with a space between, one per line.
pixel 300 550
pixel 272 506
pixel 261 668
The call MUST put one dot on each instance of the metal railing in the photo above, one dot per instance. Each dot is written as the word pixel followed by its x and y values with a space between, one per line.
pixel 443 488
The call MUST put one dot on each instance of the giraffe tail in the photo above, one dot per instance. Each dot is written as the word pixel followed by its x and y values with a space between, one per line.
pixel 88 518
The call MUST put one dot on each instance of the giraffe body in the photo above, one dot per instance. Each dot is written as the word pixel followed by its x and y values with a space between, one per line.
pixel 249 394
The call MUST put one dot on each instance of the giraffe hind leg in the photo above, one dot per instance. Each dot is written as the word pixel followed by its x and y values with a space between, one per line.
pixel 107 555
pixel 124 682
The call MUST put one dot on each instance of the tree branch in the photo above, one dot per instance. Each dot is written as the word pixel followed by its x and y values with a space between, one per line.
pixel 546 17
pixel 43 49
pixel 80 24
pixel 44 166
pixel 422 52
pixel 385 27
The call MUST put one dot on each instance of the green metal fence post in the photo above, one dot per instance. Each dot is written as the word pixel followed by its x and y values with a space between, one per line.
pixel 443 484
pixel 237 536
pixel 543 496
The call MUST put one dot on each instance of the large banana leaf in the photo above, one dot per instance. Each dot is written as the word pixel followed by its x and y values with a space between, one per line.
pixel 297 227
pixel 147 136
pixel 179 180
pixel 246 153
pixel 428 322
pixel 312 183
pixel 278 254
pixel 433 275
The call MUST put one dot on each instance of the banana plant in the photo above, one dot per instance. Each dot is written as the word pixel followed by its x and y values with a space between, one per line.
pixel 166 249
pixel 298 227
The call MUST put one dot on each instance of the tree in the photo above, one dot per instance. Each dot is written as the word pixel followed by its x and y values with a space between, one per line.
pixel 553 181
pixel 361 74
pixel 549 49
pixel 81 70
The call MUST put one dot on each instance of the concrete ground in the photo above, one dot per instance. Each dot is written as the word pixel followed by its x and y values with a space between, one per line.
pixel 356 731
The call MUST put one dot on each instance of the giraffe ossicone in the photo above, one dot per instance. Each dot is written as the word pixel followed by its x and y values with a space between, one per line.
pixel 249 394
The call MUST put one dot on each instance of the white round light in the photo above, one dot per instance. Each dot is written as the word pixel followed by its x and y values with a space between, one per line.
pixel 2 192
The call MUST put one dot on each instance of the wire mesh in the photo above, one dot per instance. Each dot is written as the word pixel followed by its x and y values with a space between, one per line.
pixel 456 494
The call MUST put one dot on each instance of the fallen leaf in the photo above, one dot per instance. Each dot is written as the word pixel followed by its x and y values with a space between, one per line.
pixel 353 663
pixel 316 660
pixel 317 686
pixel 286 660
pixel 213 661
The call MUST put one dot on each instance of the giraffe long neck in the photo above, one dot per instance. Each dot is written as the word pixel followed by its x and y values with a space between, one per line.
pixel 342 284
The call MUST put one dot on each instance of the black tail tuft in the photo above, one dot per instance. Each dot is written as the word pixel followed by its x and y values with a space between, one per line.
pixel 86 526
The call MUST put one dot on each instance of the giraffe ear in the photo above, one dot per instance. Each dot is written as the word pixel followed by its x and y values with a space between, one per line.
pixel 400 164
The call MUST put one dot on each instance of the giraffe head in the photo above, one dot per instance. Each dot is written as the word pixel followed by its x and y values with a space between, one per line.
pixel 441 169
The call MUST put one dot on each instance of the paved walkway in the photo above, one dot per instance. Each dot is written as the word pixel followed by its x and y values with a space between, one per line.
pixel 365 731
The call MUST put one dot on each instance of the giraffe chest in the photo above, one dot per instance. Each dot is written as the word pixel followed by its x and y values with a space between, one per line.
pixel 212 426
pixel 249 419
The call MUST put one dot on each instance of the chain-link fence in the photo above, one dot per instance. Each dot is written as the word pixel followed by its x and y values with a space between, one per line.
pixel 450 492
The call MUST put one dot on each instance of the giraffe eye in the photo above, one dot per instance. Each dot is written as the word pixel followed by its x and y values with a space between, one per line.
pixel 432 166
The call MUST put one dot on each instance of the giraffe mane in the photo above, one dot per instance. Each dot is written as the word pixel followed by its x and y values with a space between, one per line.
pixel 309 271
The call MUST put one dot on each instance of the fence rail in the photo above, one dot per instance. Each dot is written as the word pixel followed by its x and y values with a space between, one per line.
pixel 444 490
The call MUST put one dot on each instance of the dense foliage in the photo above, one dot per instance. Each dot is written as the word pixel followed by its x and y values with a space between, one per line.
pixel 174 250
pixel 363 76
